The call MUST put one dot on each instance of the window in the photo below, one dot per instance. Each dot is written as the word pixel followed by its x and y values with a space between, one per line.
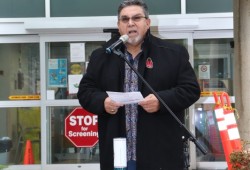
pixel 19 125
pixel 19 71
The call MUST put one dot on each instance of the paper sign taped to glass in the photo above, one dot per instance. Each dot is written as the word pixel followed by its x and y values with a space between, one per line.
pixel 57 72
pixel 125 97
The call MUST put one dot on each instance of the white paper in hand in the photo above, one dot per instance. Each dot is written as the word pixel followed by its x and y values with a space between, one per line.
pixel 125 97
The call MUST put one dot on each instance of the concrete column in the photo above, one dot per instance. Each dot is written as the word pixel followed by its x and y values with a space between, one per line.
pixel 242 65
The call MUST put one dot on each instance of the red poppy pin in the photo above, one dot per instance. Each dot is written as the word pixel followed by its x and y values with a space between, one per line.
pixel 149 63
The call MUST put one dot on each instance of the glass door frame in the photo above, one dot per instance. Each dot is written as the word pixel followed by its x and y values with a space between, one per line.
pixel 217 34
pixel 45 103
pixel 190 37
pixel 11 39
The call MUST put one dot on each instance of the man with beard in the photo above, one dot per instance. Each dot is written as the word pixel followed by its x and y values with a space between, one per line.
pixel 154 138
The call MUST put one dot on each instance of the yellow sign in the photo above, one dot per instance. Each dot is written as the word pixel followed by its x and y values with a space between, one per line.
pixel 24 97
pixel 75 69
pixel 209 93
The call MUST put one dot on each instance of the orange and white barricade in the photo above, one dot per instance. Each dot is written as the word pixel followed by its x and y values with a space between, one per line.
pixel 232 127
pixel 222 126
pixel 214 136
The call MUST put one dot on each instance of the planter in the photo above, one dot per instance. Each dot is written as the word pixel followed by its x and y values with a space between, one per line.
pixel 241 159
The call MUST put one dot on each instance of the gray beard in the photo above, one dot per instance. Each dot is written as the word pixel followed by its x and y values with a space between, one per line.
pixel 135 41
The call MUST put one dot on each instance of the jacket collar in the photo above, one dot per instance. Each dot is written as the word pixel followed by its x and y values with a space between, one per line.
pixel 146 44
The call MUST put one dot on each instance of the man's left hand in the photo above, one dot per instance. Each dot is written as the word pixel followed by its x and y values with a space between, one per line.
pixel 150 104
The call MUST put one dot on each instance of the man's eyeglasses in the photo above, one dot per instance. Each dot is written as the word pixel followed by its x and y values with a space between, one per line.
pixel 125 19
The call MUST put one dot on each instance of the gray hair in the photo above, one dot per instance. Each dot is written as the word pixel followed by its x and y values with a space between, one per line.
pixel 139 3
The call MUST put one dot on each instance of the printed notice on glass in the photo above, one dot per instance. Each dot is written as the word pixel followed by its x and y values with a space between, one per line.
pixel 74 81
pixel 57 72
pixel 125 97
pixel 77 52
pixel 204 71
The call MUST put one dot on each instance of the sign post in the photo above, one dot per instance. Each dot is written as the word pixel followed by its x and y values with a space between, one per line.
pixel 81 128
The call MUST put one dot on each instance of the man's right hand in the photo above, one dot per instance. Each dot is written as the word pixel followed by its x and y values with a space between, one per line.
pixel 110 106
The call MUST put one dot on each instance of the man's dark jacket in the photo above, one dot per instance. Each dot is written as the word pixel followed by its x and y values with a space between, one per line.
pixel 159 136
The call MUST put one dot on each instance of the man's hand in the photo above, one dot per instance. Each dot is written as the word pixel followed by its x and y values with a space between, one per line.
pixel 110 106
pixel 150 104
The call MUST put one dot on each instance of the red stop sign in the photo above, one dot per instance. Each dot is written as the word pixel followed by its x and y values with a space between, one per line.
pixel 81 128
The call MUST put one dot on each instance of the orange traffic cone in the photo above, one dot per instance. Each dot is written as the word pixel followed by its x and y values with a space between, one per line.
pixel 28 154
pixel 222 127
pixel 231 123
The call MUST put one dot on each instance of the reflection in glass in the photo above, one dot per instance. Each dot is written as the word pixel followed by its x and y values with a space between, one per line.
pixel 207 134
pixel 19 69
pixel 213 59
pixel 17 126
pixel 182 42
pixel 61 149
pixel 212 6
